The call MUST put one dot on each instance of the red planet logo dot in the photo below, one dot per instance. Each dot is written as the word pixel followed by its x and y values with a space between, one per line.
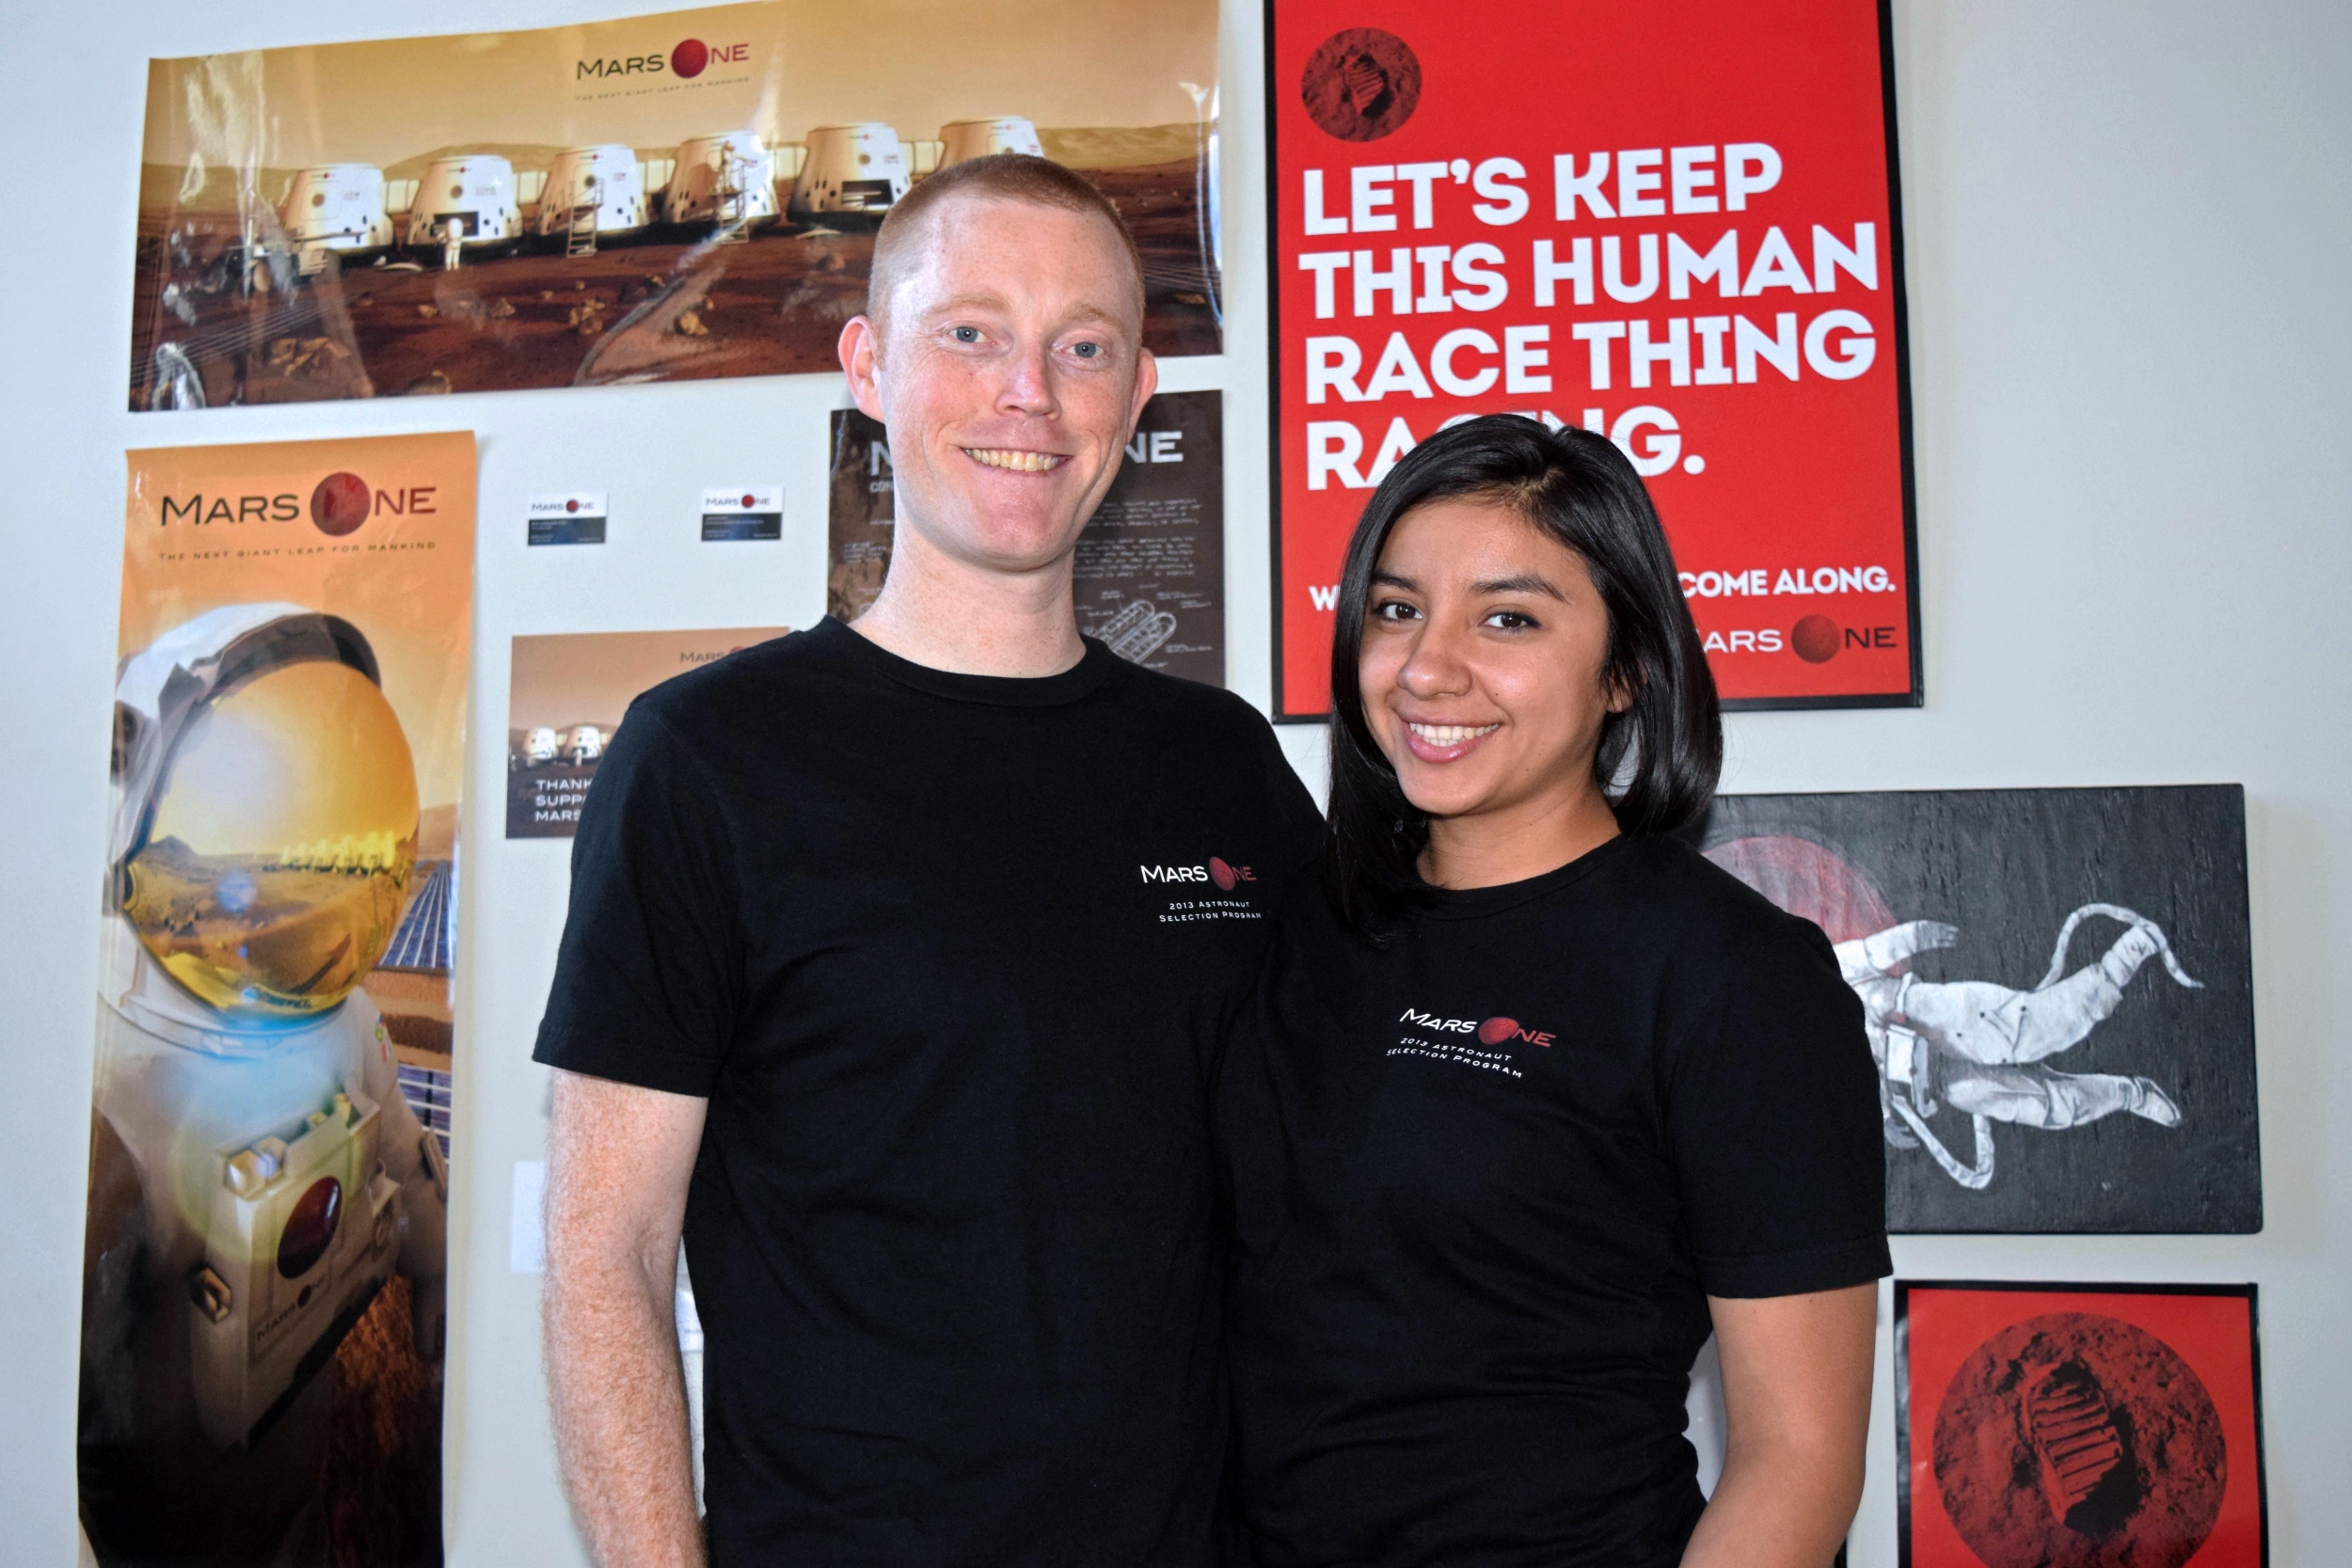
pixel 572 505
pixel 1221 874
pixel 1496 1030
pixel 309 1228
pixel 689 59
pixel 340 504
pixel 749 502
pixel 1815 637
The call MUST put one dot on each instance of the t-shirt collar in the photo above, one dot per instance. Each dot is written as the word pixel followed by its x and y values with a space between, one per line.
pixel 1078 681
pixel 1474 902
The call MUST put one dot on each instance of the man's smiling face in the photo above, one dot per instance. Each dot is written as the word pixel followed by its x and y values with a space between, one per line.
pixel 1009 372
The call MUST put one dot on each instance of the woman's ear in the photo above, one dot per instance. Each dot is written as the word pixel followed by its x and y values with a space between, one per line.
pixel 1617 692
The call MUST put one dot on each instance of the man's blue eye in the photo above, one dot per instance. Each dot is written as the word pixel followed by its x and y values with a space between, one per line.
pixel 967 334
pixel 1086 350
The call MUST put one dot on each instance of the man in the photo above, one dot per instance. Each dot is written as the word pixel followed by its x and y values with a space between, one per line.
pixel 894 974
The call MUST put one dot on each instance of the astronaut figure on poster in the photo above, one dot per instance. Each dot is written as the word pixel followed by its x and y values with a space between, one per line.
pixel 1981 1047
pixel 2005 947
pixel 256 1176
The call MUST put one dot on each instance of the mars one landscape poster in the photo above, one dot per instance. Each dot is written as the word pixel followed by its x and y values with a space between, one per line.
pixel 683 196
pixel 2079 1426
pixel 2058 990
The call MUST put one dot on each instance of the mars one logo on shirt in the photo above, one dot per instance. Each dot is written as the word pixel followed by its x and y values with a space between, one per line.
pixel 1453 1039
pixel 1226 876
pixel 1494 1031
pixel 1222 876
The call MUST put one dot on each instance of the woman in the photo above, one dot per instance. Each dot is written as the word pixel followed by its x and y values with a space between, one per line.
pixel 1533 1096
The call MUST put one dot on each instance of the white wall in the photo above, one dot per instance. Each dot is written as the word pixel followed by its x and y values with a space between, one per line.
pixel 2126 225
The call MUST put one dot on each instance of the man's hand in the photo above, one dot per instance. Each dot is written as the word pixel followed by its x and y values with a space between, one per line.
pixel 1797 1405
pixel 620 1161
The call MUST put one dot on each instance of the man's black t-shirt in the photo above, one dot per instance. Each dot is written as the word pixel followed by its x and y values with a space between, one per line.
pixel 1484 1181
pixel 950 956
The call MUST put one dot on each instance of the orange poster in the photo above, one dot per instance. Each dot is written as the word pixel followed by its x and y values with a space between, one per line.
pixel 262 1289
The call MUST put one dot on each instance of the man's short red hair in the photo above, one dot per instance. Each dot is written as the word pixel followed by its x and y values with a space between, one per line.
pixel 1016 177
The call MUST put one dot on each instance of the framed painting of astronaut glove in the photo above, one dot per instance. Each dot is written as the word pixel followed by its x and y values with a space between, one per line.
pixel 2057 988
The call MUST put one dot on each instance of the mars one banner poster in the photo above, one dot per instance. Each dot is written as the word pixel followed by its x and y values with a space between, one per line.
pixel 661 197
pixel 262 1294
pixel 1675 225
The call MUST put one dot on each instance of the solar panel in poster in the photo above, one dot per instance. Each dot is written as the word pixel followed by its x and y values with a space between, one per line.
pixel 427 1093
pixel 426 936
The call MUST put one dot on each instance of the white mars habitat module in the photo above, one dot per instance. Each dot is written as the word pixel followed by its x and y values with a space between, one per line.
pixel 850 169
pixel 723 181
pixel 336 209
pixel 593 194
pixel 961 140
pixel 468 201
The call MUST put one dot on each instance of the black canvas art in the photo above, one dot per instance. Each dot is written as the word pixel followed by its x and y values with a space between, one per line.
pixel 2059 988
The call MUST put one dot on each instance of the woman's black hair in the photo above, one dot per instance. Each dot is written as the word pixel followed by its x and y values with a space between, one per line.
pixel 1657 760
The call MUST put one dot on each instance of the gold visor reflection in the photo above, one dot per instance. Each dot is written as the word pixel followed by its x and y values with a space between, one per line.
pixel 278 861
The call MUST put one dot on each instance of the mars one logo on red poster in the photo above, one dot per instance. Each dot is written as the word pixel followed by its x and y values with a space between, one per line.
pixel 339 504
pixel 687 60
pixel 1702 265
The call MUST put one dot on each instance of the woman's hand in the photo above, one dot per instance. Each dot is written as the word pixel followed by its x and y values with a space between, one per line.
pixel 1797 1399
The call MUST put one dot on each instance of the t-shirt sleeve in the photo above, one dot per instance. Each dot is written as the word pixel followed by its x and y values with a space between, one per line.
pixel 1772 1119
pixel 649 974
pixel 1298 825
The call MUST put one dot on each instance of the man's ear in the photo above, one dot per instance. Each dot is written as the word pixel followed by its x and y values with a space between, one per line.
pixel 860 359
pixel 1147 382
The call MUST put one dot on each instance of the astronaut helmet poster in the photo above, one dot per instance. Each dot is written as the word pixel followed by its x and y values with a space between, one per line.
pixel 2057 985
pixel 263 1298
pixel 1676 226
pixel 682 196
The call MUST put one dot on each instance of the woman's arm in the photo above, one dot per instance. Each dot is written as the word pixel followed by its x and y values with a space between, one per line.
pixel 1797 1399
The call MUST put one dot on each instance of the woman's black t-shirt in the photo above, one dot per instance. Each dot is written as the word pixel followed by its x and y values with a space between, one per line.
pixel 1484 1180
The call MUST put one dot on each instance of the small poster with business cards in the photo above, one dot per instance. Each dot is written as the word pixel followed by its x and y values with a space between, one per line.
pixel 740 512
pixel 567 517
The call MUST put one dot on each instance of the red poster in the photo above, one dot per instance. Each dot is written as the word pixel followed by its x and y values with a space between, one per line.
pixel 1675 224
pixel 2070 1426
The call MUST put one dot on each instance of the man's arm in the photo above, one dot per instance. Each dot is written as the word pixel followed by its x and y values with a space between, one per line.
pixel 1797 1405
pixel 620 1161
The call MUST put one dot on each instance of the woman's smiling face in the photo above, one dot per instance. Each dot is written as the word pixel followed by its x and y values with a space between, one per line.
pixel 1483 664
